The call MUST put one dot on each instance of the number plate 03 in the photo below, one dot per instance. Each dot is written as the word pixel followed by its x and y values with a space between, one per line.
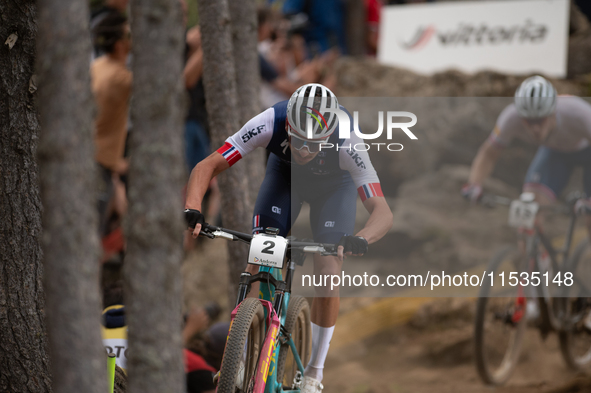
pixel 523 214
pixel 267 250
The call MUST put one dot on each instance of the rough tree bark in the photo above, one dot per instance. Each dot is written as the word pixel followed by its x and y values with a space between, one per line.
pixel 70 219
pixel 219 79
pixel 246 62
pixel 154 226
pixel 24 362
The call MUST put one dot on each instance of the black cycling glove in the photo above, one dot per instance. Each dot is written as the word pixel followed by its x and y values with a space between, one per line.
pixel 194 217
pixel 354 244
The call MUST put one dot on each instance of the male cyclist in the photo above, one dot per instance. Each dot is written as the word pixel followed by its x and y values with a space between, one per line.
pixel 560 125
pixel 299 170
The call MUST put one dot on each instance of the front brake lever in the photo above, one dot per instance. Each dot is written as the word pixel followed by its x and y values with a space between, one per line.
pixel 207 234
pixel 207 231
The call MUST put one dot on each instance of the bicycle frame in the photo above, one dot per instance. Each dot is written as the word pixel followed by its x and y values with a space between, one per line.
pixel 534 238
pixel 274 295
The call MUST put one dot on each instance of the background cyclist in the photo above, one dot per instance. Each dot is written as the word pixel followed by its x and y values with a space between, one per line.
pixel 560 125
pixel 297 171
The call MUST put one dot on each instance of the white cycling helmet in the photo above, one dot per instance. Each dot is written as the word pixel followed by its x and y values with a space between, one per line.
pixel 535 98
pixel 307 115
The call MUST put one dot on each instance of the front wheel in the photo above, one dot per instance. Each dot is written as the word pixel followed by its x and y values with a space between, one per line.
pixel 500 320
pixel 297 323
pixel 575 338
pixel 243 347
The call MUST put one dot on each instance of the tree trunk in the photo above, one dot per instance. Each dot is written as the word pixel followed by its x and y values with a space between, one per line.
pixel 356 27
pixel 24 362
pixel 154 226
pixel 246 63
pixel 70 238
pixel 219 78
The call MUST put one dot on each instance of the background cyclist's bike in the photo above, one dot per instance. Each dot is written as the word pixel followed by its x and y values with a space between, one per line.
pixel 270 337
pixel 553 278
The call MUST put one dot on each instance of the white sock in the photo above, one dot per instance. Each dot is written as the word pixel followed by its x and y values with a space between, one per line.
pixel 321 337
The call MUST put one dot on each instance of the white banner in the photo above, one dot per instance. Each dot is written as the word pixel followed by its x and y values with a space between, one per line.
pixel 512 36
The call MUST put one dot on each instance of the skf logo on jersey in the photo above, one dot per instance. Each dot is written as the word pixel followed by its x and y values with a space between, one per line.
pixel 329 224
pixel 355 156
pixel 252 133
pixel 276 210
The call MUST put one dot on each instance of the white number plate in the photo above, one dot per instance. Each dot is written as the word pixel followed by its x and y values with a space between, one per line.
pixel 267 250
pixel 523 215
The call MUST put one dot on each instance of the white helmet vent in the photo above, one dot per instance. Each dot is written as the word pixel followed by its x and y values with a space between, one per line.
pixel 535 98
pixel 307 113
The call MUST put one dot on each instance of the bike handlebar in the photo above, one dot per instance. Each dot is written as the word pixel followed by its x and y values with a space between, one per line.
pixel 491 200
pixel 212 232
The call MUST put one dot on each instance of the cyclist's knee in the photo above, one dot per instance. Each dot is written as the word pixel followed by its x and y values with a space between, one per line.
pixel 252 269
pixel 544 195
pixel 327 265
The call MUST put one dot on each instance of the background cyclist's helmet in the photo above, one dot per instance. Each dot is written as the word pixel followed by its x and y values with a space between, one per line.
pixel 307 108
pixel 535 98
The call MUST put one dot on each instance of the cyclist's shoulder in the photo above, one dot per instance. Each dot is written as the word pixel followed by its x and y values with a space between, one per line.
pixel 509 112
pixel 573 106
pixel 509 118
pixel 280 108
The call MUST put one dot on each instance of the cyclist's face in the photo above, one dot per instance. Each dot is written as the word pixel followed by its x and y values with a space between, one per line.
pixel 300 156
pixel 539 129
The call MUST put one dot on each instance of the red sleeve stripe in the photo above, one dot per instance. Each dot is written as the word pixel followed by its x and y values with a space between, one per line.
pixel 370 190
pixel 230 153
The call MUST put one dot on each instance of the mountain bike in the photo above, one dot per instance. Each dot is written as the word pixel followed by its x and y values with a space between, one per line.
pixel 534 272
pixel 270 337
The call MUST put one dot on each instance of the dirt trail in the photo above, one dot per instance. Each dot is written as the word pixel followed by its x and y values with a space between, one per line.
pixel 432 352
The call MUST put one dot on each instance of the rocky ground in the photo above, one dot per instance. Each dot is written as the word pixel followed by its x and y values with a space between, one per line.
pixel 433 352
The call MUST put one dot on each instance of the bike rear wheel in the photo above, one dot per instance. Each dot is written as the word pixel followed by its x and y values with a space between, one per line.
pixel 297 323
pixel 575 338
pixel 243 347
pixel 500 320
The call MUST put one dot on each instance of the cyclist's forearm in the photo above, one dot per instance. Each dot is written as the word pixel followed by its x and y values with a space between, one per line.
pixel 483 163
pixel 380 219
pixel 200 178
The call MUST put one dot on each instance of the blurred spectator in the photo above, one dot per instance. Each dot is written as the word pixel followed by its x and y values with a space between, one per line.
pixel 325 28
pixel 109 6
pixel 283 64
pixel 114 330
pixel 197 140
pixel 210 344
pixel 203 346
pixel 99 14
pixel 111 86
pixel 198 372
pixel 373 9
pixel 196 135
